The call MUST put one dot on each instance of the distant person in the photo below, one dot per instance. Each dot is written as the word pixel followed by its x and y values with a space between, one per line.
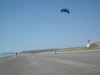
pixel 55 52
pixel 16 54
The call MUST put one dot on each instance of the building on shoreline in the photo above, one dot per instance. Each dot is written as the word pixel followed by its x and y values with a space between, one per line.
pixel 88 44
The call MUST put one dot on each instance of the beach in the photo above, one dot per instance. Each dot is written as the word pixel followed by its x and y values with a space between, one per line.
pixel 68 63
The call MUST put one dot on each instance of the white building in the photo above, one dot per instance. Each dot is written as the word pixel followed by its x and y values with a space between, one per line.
pixel 88 44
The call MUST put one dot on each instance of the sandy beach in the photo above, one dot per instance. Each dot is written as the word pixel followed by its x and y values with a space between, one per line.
pixel 72 63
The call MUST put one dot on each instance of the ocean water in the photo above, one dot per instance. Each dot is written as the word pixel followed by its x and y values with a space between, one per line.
pixel 6 54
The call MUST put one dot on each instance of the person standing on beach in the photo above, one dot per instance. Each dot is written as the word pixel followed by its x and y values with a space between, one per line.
pixel 16 54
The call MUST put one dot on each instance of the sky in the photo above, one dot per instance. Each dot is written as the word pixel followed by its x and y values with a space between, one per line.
pixel 39 24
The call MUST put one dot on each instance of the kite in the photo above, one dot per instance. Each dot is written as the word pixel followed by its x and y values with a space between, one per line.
pixel 65 10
